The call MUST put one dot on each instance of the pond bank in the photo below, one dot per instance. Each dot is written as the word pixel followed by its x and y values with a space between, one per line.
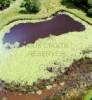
pixel 76 78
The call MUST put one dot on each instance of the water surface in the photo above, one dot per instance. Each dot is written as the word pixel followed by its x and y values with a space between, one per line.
pixel 25 33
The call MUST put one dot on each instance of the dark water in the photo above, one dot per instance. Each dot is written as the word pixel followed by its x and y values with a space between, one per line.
pixel 25 33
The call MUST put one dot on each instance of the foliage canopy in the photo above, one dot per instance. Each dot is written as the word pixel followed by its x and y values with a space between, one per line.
pixel 85 5
pixel 31 6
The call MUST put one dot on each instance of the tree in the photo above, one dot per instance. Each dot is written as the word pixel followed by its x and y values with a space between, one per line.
pixel 90 3
pixel 31 6
pixel 80 3
pixel 85 5
pixel 4 4
pixel 90 12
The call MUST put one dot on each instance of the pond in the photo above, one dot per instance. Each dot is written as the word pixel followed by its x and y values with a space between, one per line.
pixel 25 33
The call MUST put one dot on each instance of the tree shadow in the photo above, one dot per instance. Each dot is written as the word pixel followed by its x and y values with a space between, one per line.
pixel 90 16
pixel 69 5
pixel 27 12
pixel 24 12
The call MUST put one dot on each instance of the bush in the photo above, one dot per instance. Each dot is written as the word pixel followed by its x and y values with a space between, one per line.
pixel 90 12
pixel 85 5
pixel 79 2
pixel 90 3
pixel 31 6
pixel 4 4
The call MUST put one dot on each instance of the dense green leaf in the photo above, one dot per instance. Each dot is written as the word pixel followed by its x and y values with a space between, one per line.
pixel 31 6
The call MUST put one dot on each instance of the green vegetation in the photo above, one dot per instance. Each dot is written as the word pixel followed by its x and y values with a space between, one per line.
pixel 35 58
pixel 90 3
pixel 67 47
pixel 90 12
pixel 88 96
pixel 86 5
pixel 5 4
pixel 31 6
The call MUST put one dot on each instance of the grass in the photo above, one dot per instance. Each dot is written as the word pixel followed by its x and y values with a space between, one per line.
pixel 88 96
pixel 28 64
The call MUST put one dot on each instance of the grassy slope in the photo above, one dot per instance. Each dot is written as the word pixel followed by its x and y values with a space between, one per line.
pixel 25 61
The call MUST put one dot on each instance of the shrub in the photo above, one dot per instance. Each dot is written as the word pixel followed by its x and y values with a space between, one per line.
pixel 90 12
pixel 31 6
pixel 85 5
pixel 90 3
pixel 4 4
